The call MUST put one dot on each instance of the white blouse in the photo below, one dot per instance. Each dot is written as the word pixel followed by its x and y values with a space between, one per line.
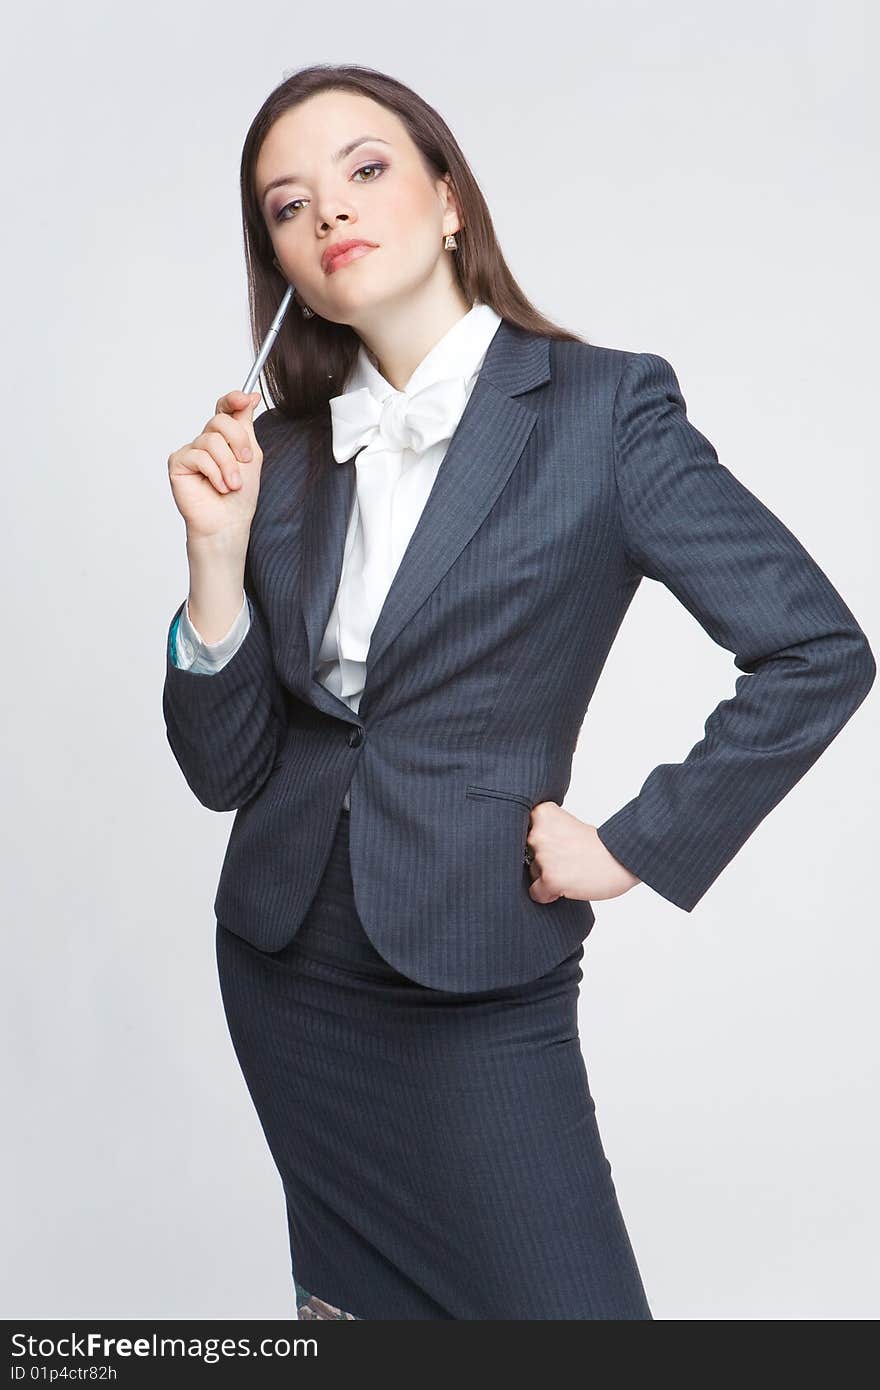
pixel 392 486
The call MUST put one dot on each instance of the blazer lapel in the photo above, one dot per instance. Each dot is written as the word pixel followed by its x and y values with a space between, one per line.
pixel 327 504
pixel 481 455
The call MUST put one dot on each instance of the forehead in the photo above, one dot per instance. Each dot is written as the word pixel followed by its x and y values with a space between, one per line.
pixel 310 134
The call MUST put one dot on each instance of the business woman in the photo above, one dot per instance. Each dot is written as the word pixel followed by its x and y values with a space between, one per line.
pixel 400 602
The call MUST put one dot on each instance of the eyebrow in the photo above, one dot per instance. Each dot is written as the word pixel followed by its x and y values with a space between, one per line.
pixel 340 154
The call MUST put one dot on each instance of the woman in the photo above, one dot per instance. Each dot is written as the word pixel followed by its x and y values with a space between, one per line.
pixel 383 665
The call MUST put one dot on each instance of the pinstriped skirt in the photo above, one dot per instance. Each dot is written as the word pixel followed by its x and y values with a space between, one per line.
pixel 439 1152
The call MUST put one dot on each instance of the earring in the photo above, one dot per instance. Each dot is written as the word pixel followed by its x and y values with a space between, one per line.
pixel 449 242
pixel 307 313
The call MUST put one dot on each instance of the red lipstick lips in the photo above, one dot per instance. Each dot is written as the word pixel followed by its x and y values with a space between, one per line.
pixel 344 251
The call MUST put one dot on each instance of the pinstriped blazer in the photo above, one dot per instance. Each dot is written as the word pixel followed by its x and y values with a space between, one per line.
pixel 573 473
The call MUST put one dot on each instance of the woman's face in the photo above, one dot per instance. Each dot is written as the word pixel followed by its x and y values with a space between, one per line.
pixel 379 190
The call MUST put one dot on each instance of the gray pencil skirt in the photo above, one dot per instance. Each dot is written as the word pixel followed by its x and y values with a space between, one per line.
pixel 438 1152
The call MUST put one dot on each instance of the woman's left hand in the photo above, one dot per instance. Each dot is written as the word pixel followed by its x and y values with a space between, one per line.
pixel 570 860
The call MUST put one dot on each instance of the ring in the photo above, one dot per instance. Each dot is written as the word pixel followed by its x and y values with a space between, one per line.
pixel 529 855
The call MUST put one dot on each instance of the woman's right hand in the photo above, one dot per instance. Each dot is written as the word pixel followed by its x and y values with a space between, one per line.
pixel 203 473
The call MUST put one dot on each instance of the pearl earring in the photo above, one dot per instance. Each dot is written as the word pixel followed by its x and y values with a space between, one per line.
pixel 449 242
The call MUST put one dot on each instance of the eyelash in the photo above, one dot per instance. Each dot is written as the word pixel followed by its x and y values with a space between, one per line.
pixel 374 164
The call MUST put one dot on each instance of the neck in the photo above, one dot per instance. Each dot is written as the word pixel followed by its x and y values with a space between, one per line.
pixel 405 333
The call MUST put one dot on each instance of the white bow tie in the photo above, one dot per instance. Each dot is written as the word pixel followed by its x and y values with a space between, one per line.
pixel 400 421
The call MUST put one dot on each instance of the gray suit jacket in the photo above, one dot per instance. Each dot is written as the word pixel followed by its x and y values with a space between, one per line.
pixel 574 472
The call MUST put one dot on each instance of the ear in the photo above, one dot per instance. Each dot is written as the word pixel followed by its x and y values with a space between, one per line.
pixel 452 211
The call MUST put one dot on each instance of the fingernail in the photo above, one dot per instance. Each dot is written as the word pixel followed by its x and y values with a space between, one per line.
pixel 246 453
pixel 236 477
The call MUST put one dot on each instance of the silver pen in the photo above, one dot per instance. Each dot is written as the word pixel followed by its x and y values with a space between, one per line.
pixel 266 345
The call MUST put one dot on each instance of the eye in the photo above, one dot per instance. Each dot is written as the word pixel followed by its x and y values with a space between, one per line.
pixel 279 216
pixel 377 165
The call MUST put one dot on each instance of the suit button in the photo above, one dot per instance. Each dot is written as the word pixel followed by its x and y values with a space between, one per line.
pixel 356 738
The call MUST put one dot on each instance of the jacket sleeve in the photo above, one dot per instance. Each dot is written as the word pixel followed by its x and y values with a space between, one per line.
pixel 689 523
pixel 225 729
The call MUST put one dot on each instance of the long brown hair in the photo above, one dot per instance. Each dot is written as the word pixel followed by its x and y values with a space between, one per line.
pixel 311 358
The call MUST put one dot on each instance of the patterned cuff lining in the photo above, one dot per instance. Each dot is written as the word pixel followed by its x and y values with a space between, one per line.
pixel 172 640
pixel 311 1308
